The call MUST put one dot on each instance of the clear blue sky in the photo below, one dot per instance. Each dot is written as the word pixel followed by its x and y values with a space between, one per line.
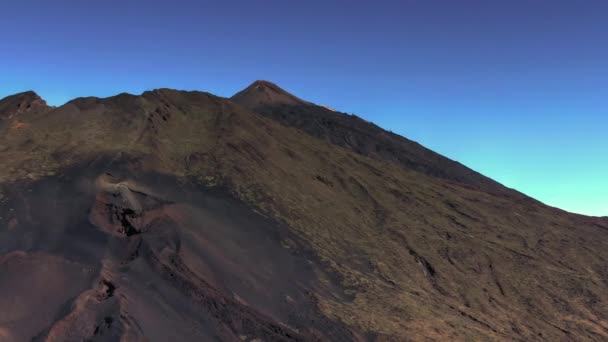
pixel 517 90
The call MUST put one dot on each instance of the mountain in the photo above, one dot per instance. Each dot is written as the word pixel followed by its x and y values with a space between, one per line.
pixel 183 216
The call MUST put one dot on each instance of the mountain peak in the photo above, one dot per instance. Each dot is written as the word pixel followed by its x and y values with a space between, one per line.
pixel 21 103
pixel 26 95
pixel 264 83
pixel 264 93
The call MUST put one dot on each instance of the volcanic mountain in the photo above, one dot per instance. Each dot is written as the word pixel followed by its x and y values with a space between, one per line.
pixel 183 216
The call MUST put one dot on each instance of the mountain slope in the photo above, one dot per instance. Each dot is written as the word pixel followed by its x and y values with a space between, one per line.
pixel 361 136
pixel 185 216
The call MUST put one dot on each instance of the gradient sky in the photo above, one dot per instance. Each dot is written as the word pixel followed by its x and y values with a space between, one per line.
pixel 517 90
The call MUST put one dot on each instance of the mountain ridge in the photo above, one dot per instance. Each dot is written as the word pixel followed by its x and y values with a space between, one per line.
pixel 363 137
pixel 249 98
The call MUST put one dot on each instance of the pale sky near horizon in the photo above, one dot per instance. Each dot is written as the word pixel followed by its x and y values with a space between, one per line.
pixel 517 90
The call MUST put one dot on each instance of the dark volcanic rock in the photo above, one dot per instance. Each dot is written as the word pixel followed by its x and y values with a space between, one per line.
pixel 202 251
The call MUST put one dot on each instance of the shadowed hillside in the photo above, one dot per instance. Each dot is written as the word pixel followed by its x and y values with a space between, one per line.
pixel 184 216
